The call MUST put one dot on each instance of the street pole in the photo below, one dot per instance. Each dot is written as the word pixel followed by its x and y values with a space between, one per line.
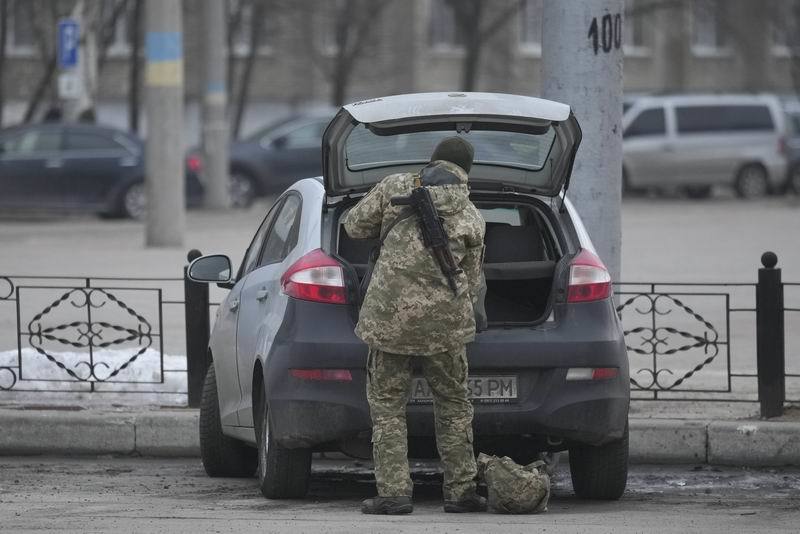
pixel 215 124
pixel 164 166
pixel 582 67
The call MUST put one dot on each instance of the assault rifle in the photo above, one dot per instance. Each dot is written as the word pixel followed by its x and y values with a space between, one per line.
pixel 434 236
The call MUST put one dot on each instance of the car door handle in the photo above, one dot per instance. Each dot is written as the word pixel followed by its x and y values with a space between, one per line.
pixel 234 304
pixel 262 294
pixel 54 163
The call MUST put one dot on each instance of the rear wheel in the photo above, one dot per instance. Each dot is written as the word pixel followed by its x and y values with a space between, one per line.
pixel 241 189
pixel 282 473
pixel 133 201
pixel 600 472
pixel 752 181
pixel 222 456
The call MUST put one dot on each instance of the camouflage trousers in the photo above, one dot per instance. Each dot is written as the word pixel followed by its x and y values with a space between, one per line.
pixel 388 387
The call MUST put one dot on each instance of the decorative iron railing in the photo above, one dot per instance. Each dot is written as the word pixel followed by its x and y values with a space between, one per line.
pixel 121 336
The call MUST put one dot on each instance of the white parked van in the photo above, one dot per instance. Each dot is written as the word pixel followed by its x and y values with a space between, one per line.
pixel 695 142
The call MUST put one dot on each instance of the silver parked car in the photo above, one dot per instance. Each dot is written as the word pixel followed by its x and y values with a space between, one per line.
pixel 550 373
pixel 695 142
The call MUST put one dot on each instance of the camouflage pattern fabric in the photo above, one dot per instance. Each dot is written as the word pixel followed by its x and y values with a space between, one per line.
pixel 513 488
pixel 388 386
pixel 409 308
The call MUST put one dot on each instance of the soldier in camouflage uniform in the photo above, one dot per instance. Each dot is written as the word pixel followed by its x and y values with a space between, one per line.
pixel 410 311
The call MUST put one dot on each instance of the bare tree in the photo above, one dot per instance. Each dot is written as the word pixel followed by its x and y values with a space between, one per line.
pixel 353 23
pixel 3 39
pixel 476 26
pixel 258 13
pixel 47 14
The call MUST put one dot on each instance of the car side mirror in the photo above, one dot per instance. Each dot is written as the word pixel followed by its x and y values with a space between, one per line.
pixel 215 268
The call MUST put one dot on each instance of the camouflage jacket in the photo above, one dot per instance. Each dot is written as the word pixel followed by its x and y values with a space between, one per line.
pixel 409 308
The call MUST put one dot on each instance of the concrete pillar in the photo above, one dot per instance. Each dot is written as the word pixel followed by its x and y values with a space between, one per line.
pixel 215 134
pixel 164 161
pixel 582 67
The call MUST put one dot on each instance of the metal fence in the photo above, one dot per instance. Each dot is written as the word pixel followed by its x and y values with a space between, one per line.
pixel 113 337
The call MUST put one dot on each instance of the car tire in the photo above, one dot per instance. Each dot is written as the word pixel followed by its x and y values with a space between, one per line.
pixel 600 472
pixel 133 202
pixel 241 189
pixel 222 456
pixel 282 473
pixel 752 181
pixel 698 191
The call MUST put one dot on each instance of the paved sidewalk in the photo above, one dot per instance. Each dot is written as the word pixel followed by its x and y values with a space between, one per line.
pixel 173 432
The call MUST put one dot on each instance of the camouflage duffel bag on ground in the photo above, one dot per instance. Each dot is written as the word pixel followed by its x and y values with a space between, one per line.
pixel 514 488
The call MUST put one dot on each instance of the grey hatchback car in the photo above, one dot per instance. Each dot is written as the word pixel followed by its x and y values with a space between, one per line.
pixel 286 373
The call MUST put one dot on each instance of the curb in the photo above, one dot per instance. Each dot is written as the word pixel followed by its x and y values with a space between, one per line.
pixel 166 433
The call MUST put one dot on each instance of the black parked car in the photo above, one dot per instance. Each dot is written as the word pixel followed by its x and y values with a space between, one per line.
pixel 793 149
pixel 76 167
pixel 273 158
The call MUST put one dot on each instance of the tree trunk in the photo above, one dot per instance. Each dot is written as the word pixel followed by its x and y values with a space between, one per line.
pixel 3 38
pixel 469 72
pixel 134 77
pixel 244 85
pixel 41 89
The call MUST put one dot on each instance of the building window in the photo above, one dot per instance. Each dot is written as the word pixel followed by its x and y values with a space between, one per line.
pixel 708 28
pixel 633 41
pixel 785 25
pixel 326 33
pixel 117 31
pixel 240 13
pixel 445 33
pixel 21 33
pixel 530 28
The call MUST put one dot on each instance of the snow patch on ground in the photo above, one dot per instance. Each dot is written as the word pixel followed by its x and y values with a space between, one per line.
pixel 33 378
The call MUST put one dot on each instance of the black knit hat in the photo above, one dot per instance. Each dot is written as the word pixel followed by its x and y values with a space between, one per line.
pixel 455 150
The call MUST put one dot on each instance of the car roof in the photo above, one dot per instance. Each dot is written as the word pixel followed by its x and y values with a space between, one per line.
pixel 708 98
pixel 406 106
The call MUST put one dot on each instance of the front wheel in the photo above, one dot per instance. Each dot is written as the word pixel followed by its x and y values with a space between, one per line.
pixel 600 472
pixel 282 473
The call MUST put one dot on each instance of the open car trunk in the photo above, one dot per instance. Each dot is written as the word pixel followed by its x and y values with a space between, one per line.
pixel 519 263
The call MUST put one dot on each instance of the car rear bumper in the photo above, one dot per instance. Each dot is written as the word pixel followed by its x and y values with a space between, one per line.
pixel 313 413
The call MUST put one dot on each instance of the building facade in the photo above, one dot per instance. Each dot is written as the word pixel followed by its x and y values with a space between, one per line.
pixel 418 45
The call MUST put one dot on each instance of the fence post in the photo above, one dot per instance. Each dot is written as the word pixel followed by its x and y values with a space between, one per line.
pixel 197 332
pixel 770 337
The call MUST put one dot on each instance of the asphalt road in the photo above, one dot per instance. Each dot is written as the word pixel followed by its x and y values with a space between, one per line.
pixel 149 495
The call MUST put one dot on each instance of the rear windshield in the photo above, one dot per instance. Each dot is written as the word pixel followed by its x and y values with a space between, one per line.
pixel 366 150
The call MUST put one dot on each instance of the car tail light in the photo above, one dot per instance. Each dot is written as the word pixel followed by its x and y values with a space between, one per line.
pixel 316 277
pixel 588 278
pixel 329 375
pixel 194 162
pixel 591 373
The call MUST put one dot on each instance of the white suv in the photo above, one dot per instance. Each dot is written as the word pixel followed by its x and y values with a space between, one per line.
pixel 695 142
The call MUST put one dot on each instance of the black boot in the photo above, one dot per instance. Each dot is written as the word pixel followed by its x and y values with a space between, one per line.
pixel 471 502
pixel 387 506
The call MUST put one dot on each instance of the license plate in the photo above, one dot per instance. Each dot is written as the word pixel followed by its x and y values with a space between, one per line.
pixel 482 389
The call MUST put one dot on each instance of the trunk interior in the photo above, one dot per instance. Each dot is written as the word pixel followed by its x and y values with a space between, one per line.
pixel 519 262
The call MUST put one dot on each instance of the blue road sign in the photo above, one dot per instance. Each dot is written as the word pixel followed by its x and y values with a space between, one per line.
pixel 68 38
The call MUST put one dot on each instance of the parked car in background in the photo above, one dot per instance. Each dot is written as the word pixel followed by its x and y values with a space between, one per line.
pixel 271 159
pixel 286 372
pixel 74 166
pixel 695 142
